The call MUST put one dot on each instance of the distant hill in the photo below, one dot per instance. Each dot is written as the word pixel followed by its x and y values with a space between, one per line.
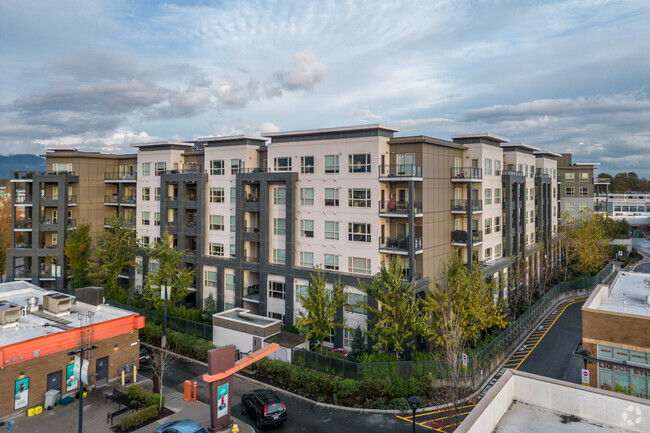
pixel 11 163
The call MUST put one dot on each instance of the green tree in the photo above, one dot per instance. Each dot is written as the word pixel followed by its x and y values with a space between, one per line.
pixel 588 242
pixel 170 274
pixel 77 250
pixel 359 346
pixel 397 318
pixel 209 308
pixel 115 251
pixel 321 308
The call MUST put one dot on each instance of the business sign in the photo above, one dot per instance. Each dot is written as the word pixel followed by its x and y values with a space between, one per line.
pixel 84 372
pixel 465 359
pixel 76 368
pixel 71 381
pixel 585 377
pixel 21 393
pixel 222 401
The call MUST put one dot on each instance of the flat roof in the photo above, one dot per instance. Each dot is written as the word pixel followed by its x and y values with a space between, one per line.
pixel 244 315
pixel 487 135
pixel 42 323
pixel 163 143
pixel 230 137
pixel 330 130
pixel 586 163
pixel 627 295
pixel 547 153
pixel 522 146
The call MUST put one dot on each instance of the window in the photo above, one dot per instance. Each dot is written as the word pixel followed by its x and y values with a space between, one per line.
pixel 488 254
pixel 497 224
pixel 358 197
pixel 233 251
pixel 359 265
pixel 331 230
pixel 156 218
pixel 570 191
pixel 282 164
pixel 354 300
pixel 526 174
pixel 331 197
pixel 359 163
pixel 146 218
pixel 359 232
pixel 488 166
pixel 235 166
pixel 306 164
pixel 570 205
pixel 331 163
pixel 230 282
pixel 209 279
pixel 146 168
pixel 331 262
pixel 156 193
pixel 279 195
pixel 584 177
pixel 145 242
pixel 531 194
pixel 233 195
pixel 216 249
pixel 584 205
pixel 306 259
pixel 488 226
pixel 301 290
pixel 307 228
pixel 160 167
pixel 584 191
pixel 229 306
pixel 279 226
pixel 145 193
pixel 497 195
pixel 217 167
pixel 532 216
pixel 569 177
pixel 278 256
pixel 276 290
pixel 306 196
pixel 497 251
pixel 488 196
pixel 216 222
pixel 216 195
pixel 497 167
pixel 233 223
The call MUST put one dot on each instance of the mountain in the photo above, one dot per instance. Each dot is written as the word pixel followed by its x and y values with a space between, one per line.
pixel 11 163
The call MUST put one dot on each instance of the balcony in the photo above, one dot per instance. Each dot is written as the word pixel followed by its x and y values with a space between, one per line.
pixel 400 172
pixel 23 274
pixel 23 245
pixel 23 224
pixel 459 238
pixel 601 181
pixel 251 259
pixel 23 199
pixel 466 174
pixel 511 170
pixel 459 206
pixel 394 245
pixel 399 209
pixel 108 221
pixel 110 177
pixel 48 246
pixel 115 200
pixel 184 170
pixel 47 273
pixel 23 175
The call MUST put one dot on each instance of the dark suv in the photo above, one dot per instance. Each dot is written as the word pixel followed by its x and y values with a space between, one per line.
pixel 265 406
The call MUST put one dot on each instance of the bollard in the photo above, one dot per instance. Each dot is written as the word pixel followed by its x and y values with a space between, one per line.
pixel 135 376
pixel 235 428
pixel 122 377
pixel 195 390
pixel 188 390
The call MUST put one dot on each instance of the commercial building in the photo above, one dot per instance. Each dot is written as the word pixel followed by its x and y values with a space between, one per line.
pixel 576 185
pixel 40 328
pixel 77 187
pixel 616 333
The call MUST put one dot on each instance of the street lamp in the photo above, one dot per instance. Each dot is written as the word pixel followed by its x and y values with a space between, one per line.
pixel 80 352
pixel 415 402
pixel 585 357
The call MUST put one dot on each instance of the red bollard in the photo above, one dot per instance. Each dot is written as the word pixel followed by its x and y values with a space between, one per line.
pixel 195 390
pixel 188 390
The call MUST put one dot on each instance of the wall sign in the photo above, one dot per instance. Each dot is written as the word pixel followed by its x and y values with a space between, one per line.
pixel 222 401
pixel 71 381
pixel 21 393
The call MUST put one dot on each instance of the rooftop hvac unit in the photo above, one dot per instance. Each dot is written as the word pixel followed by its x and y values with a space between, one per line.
pixel 57 303
pixel 9 312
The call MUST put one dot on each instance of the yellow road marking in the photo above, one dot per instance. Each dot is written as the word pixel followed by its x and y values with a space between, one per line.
pixel 410 420
pixel 442 410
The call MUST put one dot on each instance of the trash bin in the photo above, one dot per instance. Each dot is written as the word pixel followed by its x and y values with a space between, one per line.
pixel 52 397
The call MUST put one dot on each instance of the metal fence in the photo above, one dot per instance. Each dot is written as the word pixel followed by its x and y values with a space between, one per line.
pixel 201 330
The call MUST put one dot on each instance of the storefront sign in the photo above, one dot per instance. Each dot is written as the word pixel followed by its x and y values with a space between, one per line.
pixel 71 381
pixel 623 369
pixel 222 401
pixel 21 393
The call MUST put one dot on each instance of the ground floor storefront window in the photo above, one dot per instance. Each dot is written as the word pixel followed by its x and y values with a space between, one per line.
pixel 631 379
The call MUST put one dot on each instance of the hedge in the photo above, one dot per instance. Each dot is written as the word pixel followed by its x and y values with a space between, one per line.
pixel 135 420
pixel 183 344
pixel 135 392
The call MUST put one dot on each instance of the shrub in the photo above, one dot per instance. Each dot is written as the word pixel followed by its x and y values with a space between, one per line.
pixel 135 392
pixel 347 388
pixel 135 420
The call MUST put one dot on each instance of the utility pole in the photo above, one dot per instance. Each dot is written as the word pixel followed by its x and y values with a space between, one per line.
pixel 87 340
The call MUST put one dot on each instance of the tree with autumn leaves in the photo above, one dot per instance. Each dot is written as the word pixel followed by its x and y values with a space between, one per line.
pixel 77 253
pixel 5 231
pixel 587 241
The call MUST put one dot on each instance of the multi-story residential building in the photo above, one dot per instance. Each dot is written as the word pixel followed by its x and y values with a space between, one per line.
pixel 77 187
pixel 576 185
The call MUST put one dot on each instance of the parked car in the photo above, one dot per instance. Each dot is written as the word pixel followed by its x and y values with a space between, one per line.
pixel 146 358
pixel 184 426
pixel 265 407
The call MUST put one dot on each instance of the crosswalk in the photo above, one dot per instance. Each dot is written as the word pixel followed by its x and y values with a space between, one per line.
pixel 446 420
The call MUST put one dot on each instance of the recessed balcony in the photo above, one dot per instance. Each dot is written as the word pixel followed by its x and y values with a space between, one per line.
pixel 460 238
pixel 113 177
pixel 400 246
pixel 23 224
pixel 466 174
pixel 459 206
pixel 400 173
pixel 400 209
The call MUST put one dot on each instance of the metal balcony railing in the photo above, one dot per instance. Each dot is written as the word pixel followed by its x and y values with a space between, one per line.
pixel 23 273
pixel 400 207
pixel 116 199
pixel 23 224
pixel 400 170
pixel 23 199
pixel 123 222
pixel 460 205
pixel 120 176
pixel 511 170
pixel 250 198
pixel 23 245
pixel 466 173
pixel 399 244
pixel 461 237
pixel 29 174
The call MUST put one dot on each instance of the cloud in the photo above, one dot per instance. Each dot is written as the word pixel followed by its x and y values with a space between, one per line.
pixel 304 74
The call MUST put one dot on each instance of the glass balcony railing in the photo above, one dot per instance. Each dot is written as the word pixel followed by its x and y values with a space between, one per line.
pixel 400 207
pixel 461 174
pixel 23 224
pixel 120 176
pixel 400 170
pixel 461 237
pixel 397 244
pixel 460 205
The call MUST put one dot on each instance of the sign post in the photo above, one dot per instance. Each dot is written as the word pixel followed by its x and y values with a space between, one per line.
pixel 585 377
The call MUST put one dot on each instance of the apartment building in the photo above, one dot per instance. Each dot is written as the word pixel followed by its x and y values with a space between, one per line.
pixel 576 185
pixel 77 187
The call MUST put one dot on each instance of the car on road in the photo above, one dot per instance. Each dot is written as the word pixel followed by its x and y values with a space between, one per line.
pixel 184 426
pixel 146 357
pixel 265 407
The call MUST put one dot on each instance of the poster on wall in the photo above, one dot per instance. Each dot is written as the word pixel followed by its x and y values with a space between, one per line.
pixel 21 393
pixel 222 401
pixel 71 381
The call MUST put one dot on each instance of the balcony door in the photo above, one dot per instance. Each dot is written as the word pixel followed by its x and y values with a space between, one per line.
pixel 405 164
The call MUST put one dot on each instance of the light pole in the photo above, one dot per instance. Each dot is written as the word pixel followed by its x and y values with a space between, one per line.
pixel 80 352
pixel 414 401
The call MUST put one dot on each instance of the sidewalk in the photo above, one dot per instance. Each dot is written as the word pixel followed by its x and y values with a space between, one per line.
pixel 65 418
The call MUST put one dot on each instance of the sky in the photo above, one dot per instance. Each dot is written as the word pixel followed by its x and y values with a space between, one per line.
pixel 567 76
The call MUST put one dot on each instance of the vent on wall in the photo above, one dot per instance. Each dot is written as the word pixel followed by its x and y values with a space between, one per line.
pixel 57 303
pixel 9 313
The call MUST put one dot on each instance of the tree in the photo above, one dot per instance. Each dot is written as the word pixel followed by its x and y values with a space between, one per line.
pixel 169 273
pixel 321 308
pixel 397 318
pixel 588 242
pixel 359 346
pixel 77 250
pixel 209 308
pixel 115 251
pixel 5 231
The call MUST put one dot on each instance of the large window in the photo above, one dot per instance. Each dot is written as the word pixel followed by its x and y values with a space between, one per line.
pixel 307 196
pixel 306 164
pixel 282 164
pixel 331 163
pixel 497 224
pixel 488 196
pixel 301 290
pixel 569 177
pixel 233 223
pixel 146 218
pixel 146 192
pixel 354 300
pixel 233 195
pixel 279 256
pixel 584 191
pixel 217 167
pixel 359 232
pixel 306 259
pixel 331 262
pixel 488 167
pixel 276 290
pixel 146 168
pixel 279 195
pixel 233 251
pixel 210 279
pixel 584 177
pixel 359 163
pixel 570 191
pixel 235 166
pixel 488 226
pixel 230 282
pixel 331 230
pixel 216 249
pixel 570 205
pixel 497 167
pixel 160 168
pixel 307 228
pixel 156 193
pixel 216 195
pixel 279 226
pixel 359 265
pixel 156 218
pixel 497 195
pixel 359 197
pixel 331 196
pixel 216 222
